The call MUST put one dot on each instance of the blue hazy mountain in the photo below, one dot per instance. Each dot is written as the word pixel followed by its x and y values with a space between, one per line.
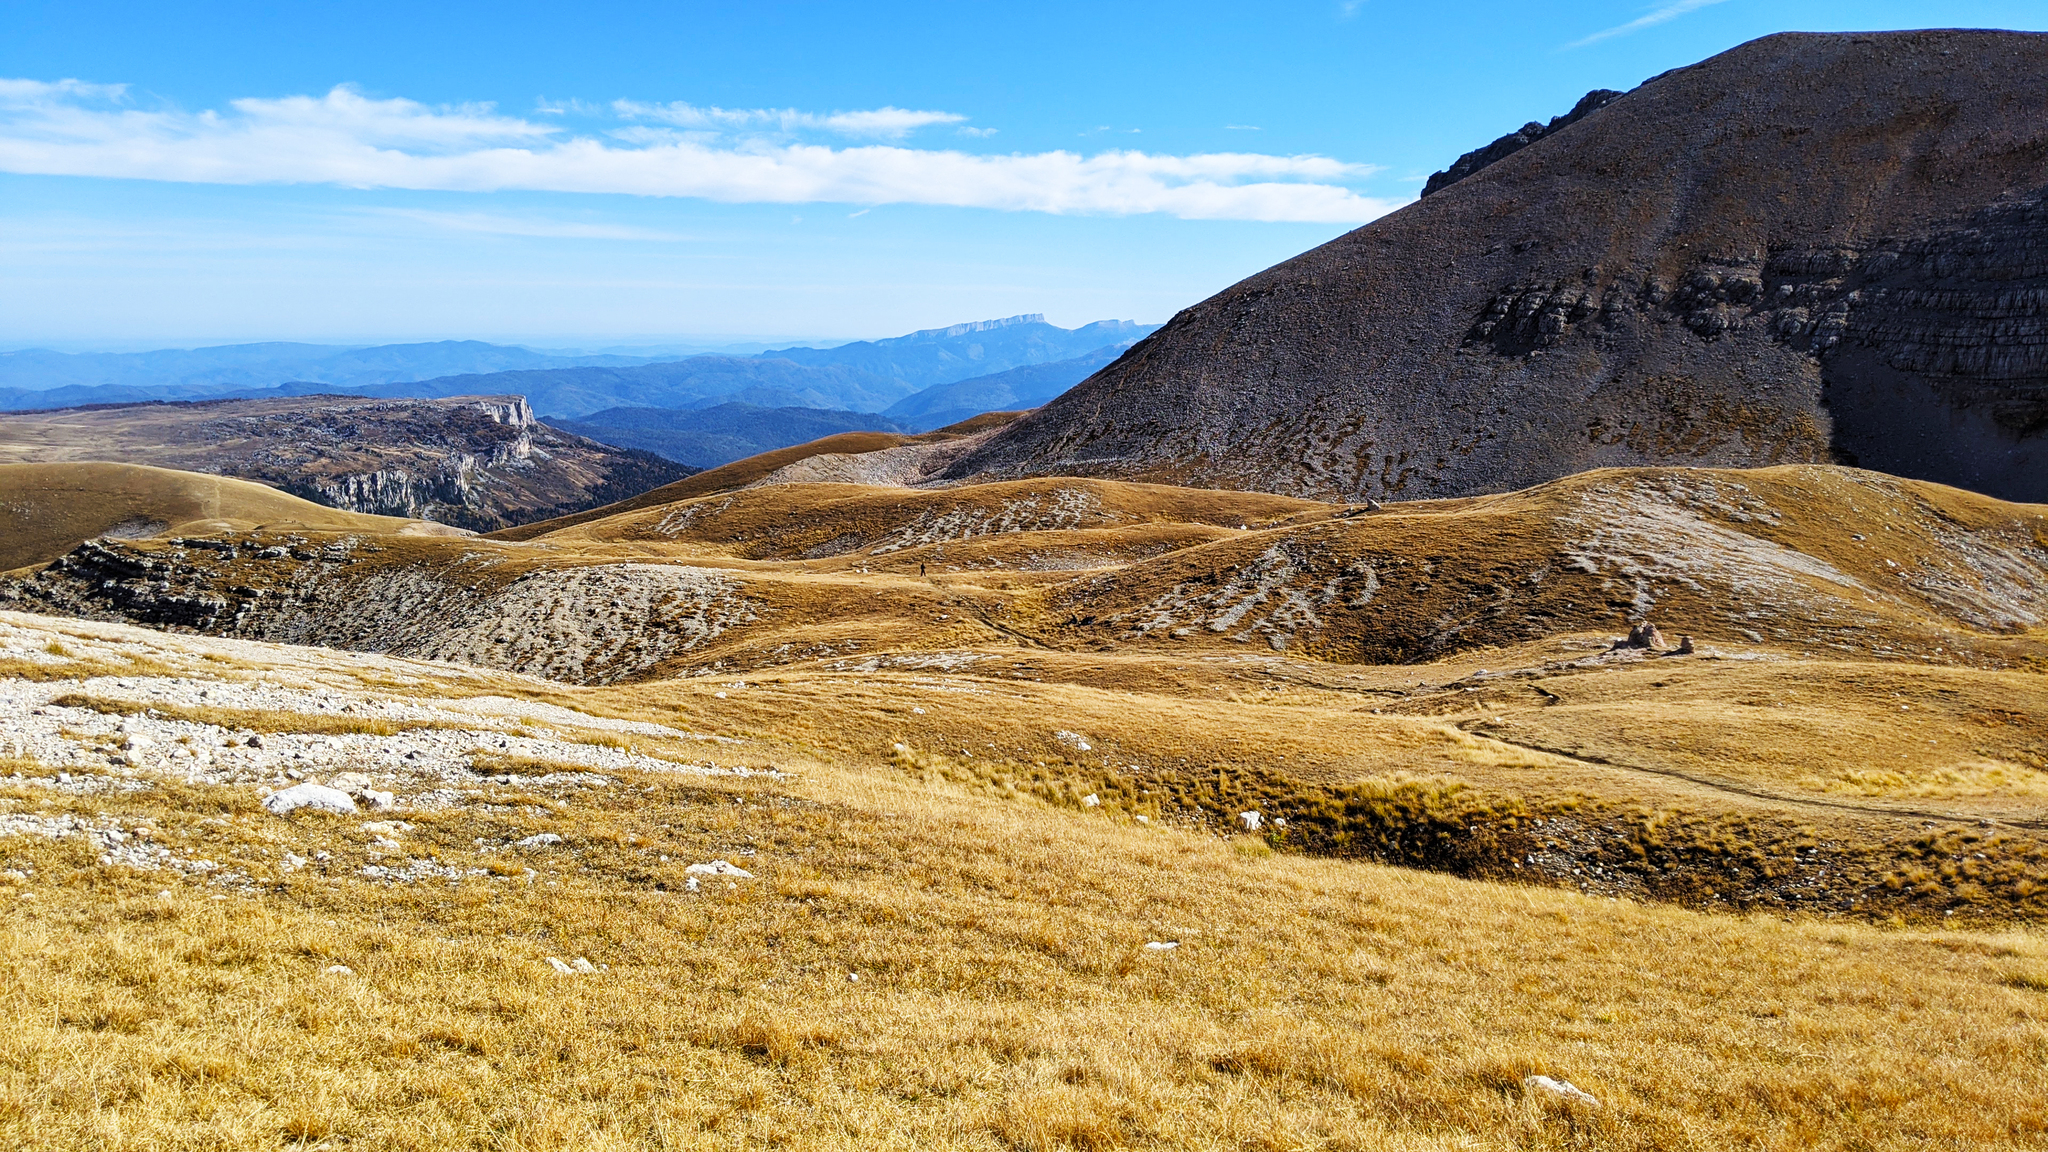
pixel 190 373
pixel 865 376
pixel 943 355
pixel 708 437
pixel 1017 388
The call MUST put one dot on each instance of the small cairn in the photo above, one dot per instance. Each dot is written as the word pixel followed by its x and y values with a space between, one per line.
pixel 1642 636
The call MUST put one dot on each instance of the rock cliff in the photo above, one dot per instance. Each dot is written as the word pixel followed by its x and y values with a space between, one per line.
pixel 1809 248
pixel 478 462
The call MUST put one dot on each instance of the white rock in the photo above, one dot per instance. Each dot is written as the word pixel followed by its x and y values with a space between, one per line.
pixel 293 861
pixel 1143 819
pixel 1090 800
pixel 719 868
pixel 384 845
pixel 339 970
pixel 560 968
pixel 692 884
pixel 1562 1089
pixel 1162 945
pixel 584 966
pixel 538 840
pixel 1251 820
pixel 318 797
pixel 386 827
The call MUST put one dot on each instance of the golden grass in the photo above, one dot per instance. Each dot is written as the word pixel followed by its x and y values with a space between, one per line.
pixel 255 719
pixel 48 508
pixel 1005 997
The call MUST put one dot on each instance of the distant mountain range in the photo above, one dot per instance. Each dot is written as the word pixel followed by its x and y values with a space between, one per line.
pixel 708 437
pixel 736 429
pixel 57 379
pixel 1016 388
pixel 864 376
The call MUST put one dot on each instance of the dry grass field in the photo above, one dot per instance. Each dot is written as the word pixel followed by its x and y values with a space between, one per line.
pixel 914 965
pixel 981 749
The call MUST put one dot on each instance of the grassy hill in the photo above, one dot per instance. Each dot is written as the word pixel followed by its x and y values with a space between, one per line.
pixel 48 509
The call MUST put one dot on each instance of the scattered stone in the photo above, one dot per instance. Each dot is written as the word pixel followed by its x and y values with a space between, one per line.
pixel 1162 945
pixel 339 970
pixel 1091 800
pixel 583 966
pixel 560 967
pixel 1251 820
pixel 318 797
pixel 1684 648
pixel 692 884
pixel 719 868
pixel 538 840
pixel 1561 1089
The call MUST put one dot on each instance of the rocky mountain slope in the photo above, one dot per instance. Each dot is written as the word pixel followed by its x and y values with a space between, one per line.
pixel 1809 248
pixel 478 462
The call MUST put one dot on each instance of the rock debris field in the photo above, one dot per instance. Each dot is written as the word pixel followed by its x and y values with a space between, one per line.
pixel 110 734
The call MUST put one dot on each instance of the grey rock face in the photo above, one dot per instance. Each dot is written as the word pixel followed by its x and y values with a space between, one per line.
pixel 1517 140
pixel 1810 248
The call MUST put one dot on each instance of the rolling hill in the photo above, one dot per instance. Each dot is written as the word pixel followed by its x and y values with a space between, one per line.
pixel 47 510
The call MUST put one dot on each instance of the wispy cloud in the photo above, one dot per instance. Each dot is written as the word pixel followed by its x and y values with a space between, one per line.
pixel 888 123
pixel 1659 15
pixel 1346 9
pixel 535 226
pixel 349 139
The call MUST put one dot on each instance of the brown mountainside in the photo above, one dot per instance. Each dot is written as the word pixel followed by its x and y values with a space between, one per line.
pixel 476 462
pixel 1809 248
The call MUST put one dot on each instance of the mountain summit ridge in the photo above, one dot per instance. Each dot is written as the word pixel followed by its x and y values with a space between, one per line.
pixel 1811 247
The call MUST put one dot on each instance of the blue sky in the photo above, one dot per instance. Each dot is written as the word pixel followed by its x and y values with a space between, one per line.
pixel 624 173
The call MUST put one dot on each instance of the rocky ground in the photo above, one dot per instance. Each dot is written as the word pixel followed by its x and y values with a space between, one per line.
pixel 306 736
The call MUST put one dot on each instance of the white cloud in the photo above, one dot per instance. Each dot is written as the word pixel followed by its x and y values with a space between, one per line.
pixel 888 123
pixel 348 139
pixel 1661 14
